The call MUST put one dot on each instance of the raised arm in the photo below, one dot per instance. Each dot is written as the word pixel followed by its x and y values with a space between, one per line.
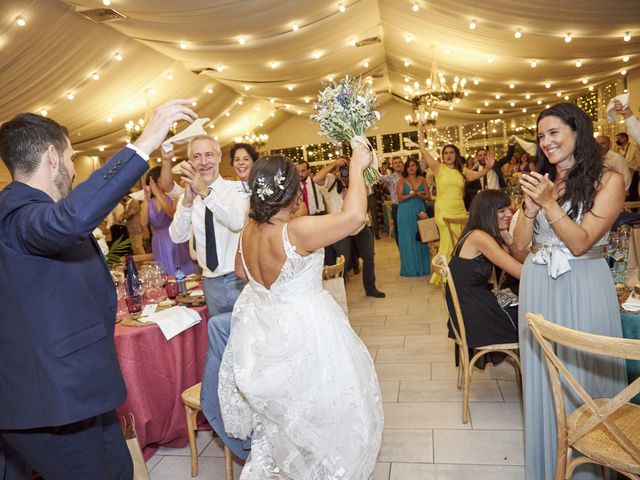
pixel 312 232
pixel 510 150
pixel 472 175
pixel 320 177
pixel 165 182
pixel 432 163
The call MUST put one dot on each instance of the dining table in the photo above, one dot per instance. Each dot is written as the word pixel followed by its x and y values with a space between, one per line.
pixel 156 371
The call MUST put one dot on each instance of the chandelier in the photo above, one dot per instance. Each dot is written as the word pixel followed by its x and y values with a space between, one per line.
pixel 437 94
pixel 253 139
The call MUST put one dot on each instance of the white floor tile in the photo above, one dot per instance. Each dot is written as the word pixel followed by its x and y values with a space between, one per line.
pixel 389 390
pixel 511 391
pixel 496 416
pixel 203 438
pixel 447 391
pixel 424 415
pixel 479 447
pixel 381 472
pixel 404 371
pixel 406 446
pixel 421 471
pixel 179 468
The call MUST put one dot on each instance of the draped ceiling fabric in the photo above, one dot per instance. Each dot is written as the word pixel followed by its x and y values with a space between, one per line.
pixel 58 50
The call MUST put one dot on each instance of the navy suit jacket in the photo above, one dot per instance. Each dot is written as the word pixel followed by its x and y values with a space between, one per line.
pixel 58 363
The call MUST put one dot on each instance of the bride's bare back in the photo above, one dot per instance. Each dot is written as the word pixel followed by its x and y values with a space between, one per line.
pixel 263 251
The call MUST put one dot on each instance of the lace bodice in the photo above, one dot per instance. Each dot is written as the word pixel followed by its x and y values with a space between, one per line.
pixel 299 277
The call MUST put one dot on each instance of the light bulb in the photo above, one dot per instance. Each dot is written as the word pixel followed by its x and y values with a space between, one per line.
pixel 290 88
pixel 408 38
pixel 109 119
pixel 498 96
pixel 169 76
pixel 478 110
pixel 118 57
pixel 527 96
pixel 486 103
pixel 476 81
pixel 539 102
pixel 70 96
pixel 316 54
pixel 513 104
pixel 220 68
pixel 533 64
pixel 472 25
pixel 568 38
pixel 524 110
pixel 500 111
pixel 512 85
pixel 101 148
pixel 447 51
pixel 106 3
pixel 341 7
pixel 490 59
pixel 578 63
pixel 44 112
pixel 623 72
pixel 183 45
pixel 352 42
pixel 95 76
pixel 585 81
pixel 625 58
pixel 518 34
pixel 247 88
pixel 547 85
pixel 365 64
pixel 21 21
pixel 242 40
pixel 209 90
pixel 415 7
pixel 407 63
pixel 295 27
pixel 627 36
pixel 274 65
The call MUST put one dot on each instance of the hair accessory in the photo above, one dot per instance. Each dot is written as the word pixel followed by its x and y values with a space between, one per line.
pixel 264 190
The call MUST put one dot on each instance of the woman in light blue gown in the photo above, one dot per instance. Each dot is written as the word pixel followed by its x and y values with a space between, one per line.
pixel 570 207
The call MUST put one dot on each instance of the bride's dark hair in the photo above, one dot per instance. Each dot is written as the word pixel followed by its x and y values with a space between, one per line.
pixel 274 184
pixel 583 179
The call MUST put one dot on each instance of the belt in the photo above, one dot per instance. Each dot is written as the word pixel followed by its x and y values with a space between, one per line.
pixel 556 257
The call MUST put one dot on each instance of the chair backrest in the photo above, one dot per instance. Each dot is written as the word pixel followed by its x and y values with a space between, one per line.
pixel 545 333
pixel 441 267
pixel 448 221
pixel 334 271
pixel 629 206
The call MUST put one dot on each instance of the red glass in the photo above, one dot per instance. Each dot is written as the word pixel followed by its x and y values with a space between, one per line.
pixel 171 289
pixel 134 304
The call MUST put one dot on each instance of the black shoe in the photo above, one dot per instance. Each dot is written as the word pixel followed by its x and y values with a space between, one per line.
pixel 376 293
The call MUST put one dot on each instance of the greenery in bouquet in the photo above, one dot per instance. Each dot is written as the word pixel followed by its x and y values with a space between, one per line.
pixel 345 111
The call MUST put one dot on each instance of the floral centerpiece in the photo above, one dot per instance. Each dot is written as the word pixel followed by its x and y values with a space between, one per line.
pixel 345 111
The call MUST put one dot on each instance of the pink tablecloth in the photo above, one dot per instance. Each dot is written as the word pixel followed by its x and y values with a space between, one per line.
pixel 156 372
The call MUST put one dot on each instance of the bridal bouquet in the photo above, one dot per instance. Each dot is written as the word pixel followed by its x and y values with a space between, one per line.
pixel 345 111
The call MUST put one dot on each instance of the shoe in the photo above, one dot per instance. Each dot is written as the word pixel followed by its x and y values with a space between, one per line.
pixel 376 293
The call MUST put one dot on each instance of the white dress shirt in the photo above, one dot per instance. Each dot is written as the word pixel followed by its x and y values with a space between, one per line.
pixel 314 197
pixel 618 163
pixel 229 203
pixel 633 128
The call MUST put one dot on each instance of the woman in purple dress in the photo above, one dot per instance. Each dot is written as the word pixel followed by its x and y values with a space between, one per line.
pixel 157 213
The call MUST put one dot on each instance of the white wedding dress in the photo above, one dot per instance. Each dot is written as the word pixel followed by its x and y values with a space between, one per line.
pixel 297 378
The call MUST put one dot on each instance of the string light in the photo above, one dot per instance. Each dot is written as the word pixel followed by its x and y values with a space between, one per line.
pixel 247 88
pixel 352 42
pixel 476 81
pixel 341 7
pixel 447 51
pixel 365 64
pixel 623 72
pixel 415 7
pixel 274 65
pixel 316 54
pixel 568 37
pixel 518 34
pixel 498 96
pixel 242 40
pixel 512 85
pixel 290 88
pixel 21 21
pixel 478 110
pixel 578 63
pixel 220 68
pixel 44 112
pixel 472 25
pixel 513 104
pixel 486 103
pixel 117 56
pixel 490 59
pixel 169 76
pixel 547 85
pixel 625 58
pixel 627 36
pixel 183 45
pixel 539 102
pixel 533 64
pixel 209 90
pixel 95 76
pixel 109 120
pixel 106 3
pixel 527 96
pixel 585 81
pixel 295 27
pixel 408 38
pixel 101 148
pixel 500 111
pixel 272 100
pixel 70 96
pixel 407 63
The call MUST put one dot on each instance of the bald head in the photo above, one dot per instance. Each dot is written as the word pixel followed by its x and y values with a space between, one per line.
pixel 604 142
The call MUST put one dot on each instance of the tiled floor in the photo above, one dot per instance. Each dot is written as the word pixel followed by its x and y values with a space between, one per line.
pixel 424 437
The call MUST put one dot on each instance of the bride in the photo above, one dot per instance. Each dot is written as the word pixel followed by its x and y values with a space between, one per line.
pixel 294 375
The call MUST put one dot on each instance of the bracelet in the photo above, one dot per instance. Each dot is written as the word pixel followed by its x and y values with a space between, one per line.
pixel 524 212
pixel 553 222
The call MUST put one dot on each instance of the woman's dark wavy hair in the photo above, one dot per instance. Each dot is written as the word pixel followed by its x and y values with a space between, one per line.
pixel 153 173
pixel 405 171
pixel 483 213
pixel 267 167
pixel 583 179
pixel 239 146
pixel 459 160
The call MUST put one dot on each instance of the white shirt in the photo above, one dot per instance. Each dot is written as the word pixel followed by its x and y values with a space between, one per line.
pixel 333 199
pixel 618 163
pixel 314 207
pixel 633 128
pixel 229 203
pixel 491 180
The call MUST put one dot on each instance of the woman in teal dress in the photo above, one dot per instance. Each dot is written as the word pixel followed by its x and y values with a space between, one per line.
pixel 412 192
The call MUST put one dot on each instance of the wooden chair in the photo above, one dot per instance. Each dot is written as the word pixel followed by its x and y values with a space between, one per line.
pixel 191 401
pixel 605 431
pixel 448 221
pixel 334 271
pixel 465 365
pixel 631 206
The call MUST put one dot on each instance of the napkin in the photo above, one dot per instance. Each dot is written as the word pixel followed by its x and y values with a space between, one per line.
pixel 137 195
pixel 193 130
pixel 631 304
pixel 611 112
pixel 529 147
pixel 174 320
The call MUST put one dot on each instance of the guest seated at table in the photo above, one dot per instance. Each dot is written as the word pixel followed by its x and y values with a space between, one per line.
pixel 484 244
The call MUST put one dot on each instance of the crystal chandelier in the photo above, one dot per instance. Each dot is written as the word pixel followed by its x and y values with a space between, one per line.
pixel 253 139
pixel 437 94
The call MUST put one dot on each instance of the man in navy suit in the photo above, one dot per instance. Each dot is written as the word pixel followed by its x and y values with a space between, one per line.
pixel 60 381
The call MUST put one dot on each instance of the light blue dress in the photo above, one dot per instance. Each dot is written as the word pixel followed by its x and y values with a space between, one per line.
pixel 582 298
pixel 414 255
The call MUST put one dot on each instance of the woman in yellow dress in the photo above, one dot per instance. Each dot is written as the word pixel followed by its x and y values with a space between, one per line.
pixel 450 176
